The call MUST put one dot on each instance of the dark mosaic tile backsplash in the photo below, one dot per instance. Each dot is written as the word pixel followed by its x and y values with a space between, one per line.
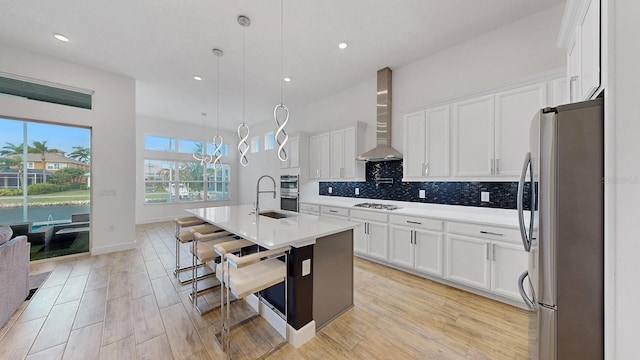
pixel 502 194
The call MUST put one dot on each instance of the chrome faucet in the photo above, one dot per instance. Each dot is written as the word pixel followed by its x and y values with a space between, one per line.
pixel 258 192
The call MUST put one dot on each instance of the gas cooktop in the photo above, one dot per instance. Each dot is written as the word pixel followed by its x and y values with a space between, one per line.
pixel 377 206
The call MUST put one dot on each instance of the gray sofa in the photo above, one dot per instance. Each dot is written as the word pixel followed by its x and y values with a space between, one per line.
pixel 14 272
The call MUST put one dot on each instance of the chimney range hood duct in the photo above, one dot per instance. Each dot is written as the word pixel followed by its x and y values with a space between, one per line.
pixel 383 150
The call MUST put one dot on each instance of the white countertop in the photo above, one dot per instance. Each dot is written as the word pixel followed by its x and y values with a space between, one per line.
pixel 498 217
pixel 297 230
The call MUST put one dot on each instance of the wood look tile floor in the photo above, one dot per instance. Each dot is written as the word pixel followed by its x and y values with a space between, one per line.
pixel 128 305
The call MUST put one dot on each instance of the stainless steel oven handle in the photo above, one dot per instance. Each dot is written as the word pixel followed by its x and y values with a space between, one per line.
pixel 520 202
pixel 289 197
pixel 531 304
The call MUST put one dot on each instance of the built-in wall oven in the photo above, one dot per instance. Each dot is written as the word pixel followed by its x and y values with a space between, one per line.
pixel 289 192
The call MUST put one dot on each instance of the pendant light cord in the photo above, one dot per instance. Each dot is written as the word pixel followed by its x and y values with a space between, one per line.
pixel 281 51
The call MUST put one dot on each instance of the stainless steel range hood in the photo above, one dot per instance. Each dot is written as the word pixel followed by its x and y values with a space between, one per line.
pixel 383 150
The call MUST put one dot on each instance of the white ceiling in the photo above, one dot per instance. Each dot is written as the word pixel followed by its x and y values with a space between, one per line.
pixel 163 43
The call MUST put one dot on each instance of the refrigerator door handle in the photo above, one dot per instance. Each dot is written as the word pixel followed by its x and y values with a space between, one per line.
pixel 531 304
pixel 526 241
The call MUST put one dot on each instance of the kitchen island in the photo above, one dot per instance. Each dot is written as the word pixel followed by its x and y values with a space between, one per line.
pixel 320 264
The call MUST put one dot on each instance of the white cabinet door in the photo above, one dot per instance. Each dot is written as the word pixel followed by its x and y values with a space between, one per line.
pixel 349 163
pixel 415 130
pixel 558 92
pixel 401 249
pixel 437 144
pixel 468 261
pixel 337 154
pixel 294 153
pixel 574 66
pixel 377 240
pixel 590 42
pixel 360 238
pixel 473 141
pixel 292 148
pixel 319 157
pixel 514 111
pixel 508 262
pixel 428 252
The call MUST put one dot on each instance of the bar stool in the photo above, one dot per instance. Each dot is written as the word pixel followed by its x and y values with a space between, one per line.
pixel 244 275
pixel 202 252
pixel 185 227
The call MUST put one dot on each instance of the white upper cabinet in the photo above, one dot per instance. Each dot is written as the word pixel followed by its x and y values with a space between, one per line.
pixel 473 138
pixel 590 35
pixel 514 111
pixel 332 156
pixel 426 143
pixel 583 49
pixel 319 160
pixel 294 148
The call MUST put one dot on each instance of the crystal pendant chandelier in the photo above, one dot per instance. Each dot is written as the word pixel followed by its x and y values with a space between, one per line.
pixel 243 129
pixel 281 135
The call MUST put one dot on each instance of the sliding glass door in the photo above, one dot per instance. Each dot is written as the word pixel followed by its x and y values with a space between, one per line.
pixel 45 179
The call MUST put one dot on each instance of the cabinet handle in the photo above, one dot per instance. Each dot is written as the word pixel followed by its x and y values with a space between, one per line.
pixel 497 166
pixel 317 173
pixel 426 169
pixel 414 222
pixel 333 211
pixel 571 81
pixel 490 233
pixel 366 228
pixel 487 248
pixel 494 252
pixel 491 162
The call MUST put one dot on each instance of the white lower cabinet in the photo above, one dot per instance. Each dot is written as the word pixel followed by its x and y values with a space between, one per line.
pixel 508 262
pixel 468 261
pixel 416 249
pixel 417 243
pixel 485 257
pixel 371 236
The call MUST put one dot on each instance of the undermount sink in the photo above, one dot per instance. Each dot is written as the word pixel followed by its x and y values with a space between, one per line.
pixel 275 215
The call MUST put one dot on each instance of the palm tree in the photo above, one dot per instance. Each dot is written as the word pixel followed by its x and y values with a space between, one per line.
pixel 81 153
pixel 11 149
pixel 41 147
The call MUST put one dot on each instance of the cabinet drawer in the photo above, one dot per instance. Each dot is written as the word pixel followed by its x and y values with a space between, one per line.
pixel 416 222
pixel 330 210
pixel 369 215
pixel 485 231
pixel 310 208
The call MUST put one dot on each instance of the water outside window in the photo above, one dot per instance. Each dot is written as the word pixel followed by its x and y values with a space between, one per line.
pixel 45 185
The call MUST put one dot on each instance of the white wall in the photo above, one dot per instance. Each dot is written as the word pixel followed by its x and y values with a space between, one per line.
pixel 112 120
pixel 624 77
pixel 146 213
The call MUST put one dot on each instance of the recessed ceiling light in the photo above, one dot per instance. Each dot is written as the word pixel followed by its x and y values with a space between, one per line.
pixel 197 77
pixel 287 79
pixel 342 45
pixel 61 37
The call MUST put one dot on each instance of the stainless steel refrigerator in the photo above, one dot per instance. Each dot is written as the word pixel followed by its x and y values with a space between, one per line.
pixel 562 180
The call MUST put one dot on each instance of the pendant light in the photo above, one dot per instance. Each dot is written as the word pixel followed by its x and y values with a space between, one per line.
pixel 243 129
pixel 203 157
pixel 281 135
pixel 217 140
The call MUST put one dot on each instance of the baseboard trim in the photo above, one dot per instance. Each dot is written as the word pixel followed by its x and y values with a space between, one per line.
pixel 113 248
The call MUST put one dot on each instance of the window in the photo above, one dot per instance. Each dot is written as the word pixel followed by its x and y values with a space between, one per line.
pixel 50 166
pixel 255 144
pixel 30 165
pixel 159 143
pixel 184 181
pixel 269 141
pixel 190 146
